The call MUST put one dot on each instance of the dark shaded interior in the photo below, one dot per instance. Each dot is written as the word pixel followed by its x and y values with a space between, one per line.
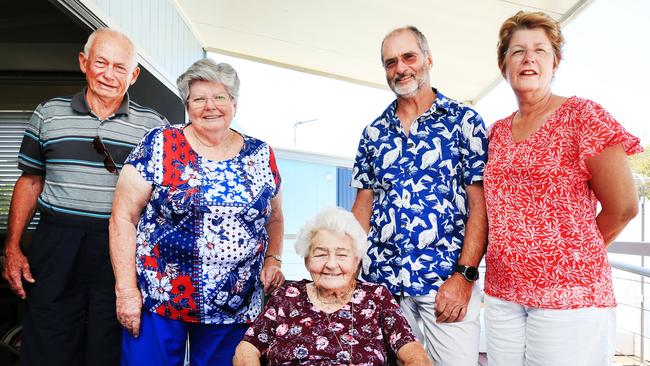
pixel 39 44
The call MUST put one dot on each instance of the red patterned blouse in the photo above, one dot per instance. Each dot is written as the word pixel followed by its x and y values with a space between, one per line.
pixel 545 249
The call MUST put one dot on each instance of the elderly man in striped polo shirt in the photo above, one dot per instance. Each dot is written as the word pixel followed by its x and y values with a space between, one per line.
pixel 70 157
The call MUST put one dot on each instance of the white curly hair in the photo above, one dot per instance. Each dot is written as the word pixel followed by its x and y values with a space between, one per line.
pixel 334 219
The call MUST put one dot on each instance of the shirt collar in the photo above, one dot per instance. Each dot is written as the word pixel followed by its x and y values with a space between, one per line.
pixel 440 106
pixel 79 104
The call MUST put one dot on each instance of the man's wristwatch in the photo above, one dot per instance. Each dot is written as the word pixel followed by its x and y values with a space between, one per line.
pixel 470 273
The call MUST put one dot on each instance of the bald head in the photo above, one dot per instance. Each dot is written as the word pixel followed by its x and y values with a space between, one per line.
pixel 108 33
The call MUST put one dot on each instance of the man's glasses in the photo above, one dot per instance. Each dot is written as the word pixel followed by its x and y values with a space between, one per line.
pixel 109 163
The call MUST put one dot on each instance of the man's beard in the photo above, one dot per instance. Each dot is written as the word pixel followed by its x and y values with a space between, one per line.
pixel 411 88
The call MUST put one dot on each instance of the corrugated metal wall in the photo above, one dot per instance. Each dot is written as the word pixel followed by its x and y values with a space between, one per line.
pixel 12 128
pixel 345 194
pixel 158 29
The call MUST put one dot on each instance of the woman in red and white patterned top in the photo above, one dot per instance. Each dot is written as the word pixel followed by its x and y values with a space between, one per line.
pixel 550 297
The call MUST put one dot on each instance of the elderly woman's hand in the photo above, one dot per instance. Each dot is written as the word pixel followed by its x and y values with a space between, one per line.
pixel 129 308
pixel 271 276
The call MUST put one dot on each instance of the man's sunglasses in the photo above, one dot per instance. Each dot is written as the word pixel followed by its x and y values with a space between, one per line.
pixel 109 163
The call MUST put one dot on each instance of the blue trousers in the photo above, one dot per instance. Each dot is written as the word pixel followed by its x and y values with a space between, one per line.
pixel 162 342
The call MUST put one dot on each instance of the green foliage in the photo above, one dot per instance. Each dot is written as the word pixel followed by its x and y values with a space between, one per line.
pixel 640 164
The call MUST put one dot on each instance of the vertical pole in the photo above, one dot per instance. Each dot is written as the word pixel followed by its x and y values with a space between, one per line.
pixel 642 277
pixel 295 128
pixel 643 209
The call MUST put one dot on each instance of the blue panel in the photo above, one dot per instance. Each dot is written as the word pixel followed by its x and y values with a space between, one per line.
pixel 345 194
pixel 306 188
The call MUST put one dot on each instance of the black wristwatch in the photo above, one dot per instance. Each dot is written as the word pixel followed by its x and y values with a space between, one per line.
pixel 470 273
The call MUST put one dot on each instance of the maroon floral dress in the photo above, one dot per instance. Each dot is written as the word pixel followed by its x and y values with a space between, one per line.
pixel 292 331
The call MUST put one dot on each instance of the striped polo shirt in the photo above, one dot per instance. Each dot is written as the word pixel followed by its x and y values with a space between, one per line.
pixel 58 144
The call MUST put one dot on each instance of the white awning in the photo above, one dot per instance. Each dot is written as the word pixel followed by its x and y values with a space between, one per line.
pixel 341 39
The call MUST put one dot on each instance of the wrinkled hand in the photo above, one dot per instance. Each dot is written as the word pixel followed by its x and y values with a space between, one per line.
pixel 128 306
pixel 17 268
pixel 271 276
pixel 452 299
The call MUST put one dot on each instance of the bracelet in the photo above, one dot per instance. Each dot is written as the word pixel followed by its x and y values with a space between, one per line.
pixel 274 256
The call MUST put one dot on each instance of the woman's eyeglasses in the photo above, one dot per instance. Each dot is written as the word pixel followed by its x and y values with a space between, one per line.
pixel 109 163
pixel 200 102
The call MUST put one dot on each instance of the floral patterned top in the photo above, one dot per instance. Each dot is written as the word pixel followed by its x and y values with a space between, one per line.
pixel 545 249
pixel 419 180
pixel 291 331
pixel 201 239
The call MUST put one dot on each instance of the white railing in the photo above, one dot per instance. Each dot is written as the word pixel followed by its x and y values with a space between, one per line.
pixel 630 280
pixel 627 257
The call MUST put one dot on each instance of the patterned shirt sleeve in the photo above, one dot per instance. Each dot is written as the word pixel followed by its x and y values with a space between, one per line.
pixel 30 157
pixel 274 170
pixel 473 146
pixel 143 156
pixel 395 328
pixel 597 129
pixel 260 334
pixel 362 174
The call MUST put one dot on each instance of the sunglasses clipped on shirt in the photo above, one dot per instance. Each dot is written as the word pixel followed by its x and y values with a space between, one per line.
pixel 109 163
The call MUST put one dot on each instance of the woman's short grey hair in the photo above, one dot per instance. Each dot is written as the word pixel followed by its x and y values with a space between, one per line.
pixel 208 70
pixel 334 219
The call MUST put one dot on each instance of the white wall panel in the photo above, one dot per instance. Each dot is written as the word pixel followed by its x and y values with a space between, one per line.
pixel 162 36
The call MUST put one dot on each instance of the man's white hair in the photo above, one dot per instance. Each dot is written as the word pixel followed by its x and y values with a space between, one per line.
pixel 336 220
pixel 93 35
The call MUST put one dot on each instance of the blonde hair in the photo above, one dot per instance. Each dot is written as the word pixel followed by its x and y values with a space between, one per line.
pixel 529 20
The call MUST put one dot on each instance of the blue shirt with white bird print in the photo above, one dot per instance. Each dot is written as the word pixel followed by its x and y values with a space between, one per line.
pixel 419 209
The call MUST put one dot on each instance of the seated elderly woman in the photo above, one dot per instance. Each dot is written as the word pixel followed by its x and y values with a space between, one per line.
pixel 335 319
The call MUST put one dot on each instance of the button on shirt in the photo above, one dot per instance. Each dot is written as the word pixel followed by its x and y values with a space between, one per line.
pixel 58 145
pixel 419 209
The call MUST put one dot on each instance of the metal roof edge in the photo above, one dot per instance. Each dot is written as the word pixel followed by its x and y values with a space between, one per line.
pixel 310 157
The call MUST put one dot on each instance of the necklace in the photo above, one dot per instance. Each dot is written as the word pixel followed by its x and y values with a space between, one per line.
pixel 350 332
pixel 344 299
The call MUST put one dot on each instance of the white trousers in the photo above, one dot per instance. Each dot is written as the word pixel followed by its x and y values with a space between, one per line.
pixel 448 344
pixel 521 335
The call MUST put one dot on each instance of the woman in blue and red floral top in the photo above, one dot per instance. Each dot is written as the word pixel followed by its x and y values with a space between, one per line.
pixel 335 319
pixel 196 230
